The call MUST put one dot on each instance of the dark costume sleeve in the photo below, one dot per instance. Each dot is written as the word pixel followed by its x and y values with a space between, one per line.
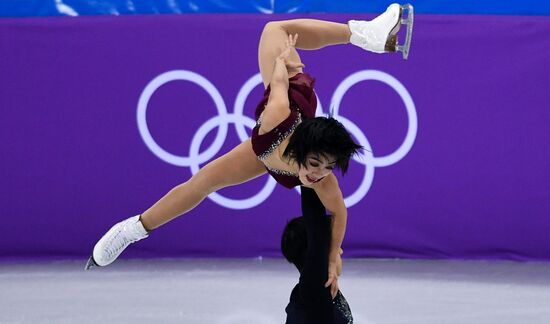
pixel 315 270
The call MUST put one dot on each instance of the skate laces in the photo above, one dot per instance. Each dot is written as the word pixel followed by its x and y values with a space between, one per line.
pixel 124 236
pixel 372 35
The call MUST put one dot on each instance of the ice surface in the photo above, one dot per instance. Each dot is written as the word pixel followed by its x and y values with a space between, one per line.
pixel 229 291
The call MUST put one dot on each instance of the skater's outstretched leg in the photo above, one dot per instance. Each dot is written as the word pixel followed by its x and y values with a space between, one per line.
pixel 237 166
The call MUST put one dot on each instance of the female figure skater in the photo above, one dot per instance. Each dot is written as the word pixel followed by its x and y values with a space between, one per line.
pixel 288 141
pixel 305 243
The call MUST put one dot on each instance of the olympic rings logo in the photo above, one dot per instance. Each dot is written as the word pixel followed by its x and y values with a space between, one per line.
pixel 223 119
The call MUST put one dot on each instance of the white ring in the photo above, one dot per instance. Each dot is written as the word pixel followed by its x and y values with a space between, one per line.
pixel 196 158
pixel 405 96
pixel 142 116
pixel 245 90
pixel 216 197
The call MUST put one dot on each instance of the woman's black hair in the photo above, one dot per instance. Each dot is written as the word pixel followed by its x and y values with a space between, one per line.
pixel 323 136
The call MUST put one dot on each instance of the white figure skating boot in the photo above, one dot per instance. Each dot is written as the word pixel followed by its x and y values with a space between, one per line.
pixel 122 234
pixel 380 34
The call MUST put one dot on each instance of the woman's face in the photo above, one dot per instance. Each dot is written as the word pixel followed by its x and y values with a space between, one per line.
pixel 316 168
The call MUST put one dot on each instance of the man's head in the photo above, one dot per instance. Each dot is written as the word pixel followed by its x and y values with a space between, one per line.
pixel 294 241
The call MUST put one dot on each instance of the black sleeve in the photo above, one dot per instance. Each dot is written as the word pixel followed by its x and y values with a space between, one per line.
pixel 314 273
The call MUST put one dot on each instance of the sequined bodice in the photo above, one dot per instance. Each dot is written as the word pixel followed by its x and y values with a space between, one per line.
pixel 303 103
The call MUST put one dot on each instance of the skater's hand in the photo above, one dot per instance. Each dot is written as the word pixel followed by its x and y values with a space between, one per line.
pixel 284 57
pixel 338 261
pixel 334 270
pixel 334 288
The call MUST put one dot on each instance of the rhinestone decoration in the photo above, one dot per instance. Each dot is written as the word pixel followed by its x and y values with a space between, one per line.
pixel 282 172
pixel 343 307
pixel 280 138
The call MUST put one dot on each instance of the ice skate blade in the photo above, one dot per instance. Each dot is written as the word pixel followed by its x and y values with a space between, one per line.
pixel 391 41
pixel 408 21
pixel 90 264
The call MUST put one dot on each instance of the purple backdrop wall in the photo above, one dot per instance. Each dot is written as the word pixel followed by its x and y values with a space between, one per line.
pixel 474 184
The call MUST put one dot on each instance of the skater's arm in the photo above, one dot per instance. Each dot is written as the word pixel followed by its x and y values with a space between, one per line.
pixel 315 269
pixel 278 97
pixel 331 196
pixel 278 106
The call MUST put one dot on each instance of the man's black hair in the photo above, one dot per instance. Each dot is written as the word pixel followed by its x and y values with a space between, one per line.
pixel 294 241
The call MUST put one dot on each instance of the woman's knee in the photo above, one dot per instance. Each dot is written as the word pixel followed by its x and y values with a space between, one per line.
pixel 274 27
pixel 205 183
